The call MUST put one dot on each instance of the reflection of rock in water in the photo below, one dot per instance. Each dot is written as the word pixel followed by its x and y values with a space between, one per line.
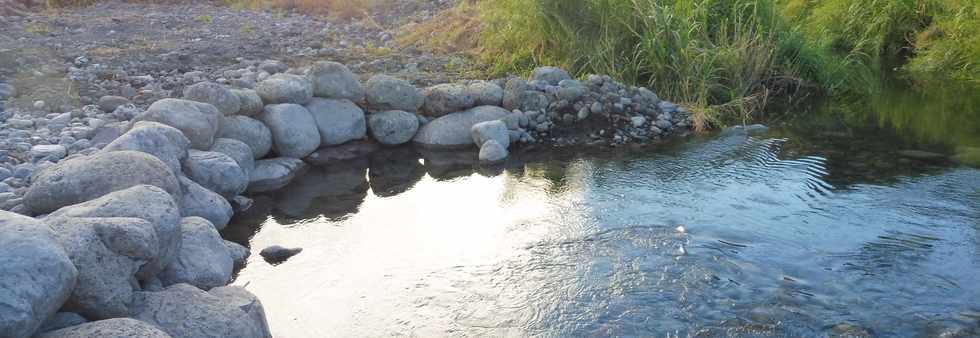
pixel 332 191
pixel 245 224
pixel 450 164
pixel 394 171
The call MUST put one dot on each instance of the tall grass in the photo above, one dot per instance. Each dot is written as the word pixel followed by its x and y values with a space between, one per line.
pixel 713 55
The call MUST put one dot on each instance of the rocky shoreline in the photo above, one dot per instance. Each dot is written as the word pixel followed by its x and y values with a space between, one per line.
pixel 114 209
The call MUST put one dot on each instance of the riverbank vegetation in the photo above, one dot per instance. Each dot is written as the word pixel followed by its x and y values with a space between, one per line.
pixel 723 56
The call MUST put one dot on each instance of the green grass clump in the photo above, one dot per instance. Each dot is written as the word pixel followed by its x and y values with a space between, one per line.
pixel 713 55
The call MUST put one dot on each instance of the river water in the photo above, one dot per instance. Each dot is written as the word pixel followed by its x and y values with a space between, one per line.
pixel 808 229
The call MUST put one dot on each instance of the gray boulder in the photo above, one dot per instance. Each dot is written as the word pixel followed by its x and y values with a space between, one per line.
pixel 108 132
pixel 338 121
pixel 274 173
pixel 198 121
pixel 518 95
pixel 109 328
pixel 48 152
pixel 453 130
pixel 216 172
pixel 384 92
pixel 201 202
pixel 490 130
pixel 109 103
pixel 294 131
pixel 245 301
pixel 252 132
pixel 108 253
pixel 217 95
pixel 273 66
pixel 203 259
pixel 393 127
pixel 447 98
pixel 238 151
pixel 486 93
pixel 162 141
pixel 62 320
pixel 571 90
pixel 145 202
pixel 551 75
pixel 85 178
pixel 183 311
pixel 250 104
pixel 333 80
pixel 285 88
pixel 239 254
pixel 36 275
pixel 492 152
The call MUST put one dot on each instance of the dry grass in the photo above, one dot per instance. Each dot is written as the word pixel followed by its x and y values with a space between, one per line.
pixel 341 9
pixel 456 31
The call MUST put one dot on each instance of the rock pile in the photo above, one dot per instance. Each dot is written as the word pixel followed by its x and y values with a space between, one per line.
pixel 129 202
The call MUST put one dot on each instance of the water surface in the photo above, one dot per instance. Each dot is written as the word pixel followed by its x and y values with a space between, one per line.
pixel 795 232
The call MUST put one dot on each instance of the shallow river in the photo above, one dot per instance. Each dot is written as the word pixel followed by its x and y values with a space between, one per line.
pixel 783 233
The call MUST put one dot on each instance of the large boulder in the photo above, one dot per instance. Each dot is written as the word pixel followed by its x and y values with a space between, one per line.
pixel 447 98
pixel 145 202
pixel 252 132
pixel 183 311
pixel 294 131
pixel 486 93
pixel 216 172
pixel 201 202
pixel 245 301
pixel 238 151
pixel 453 130
pixel 85 178
pixel 198 121
pixel 108 253
pixel 217 95
pixel 333 80
pixel 109 328
pixel 491 130
pixel 250 104
pixel 384 92
pixel 339 121
pixel 274 173
pixel 203 260
pixel 551 75
pixel 165 142
pixel 285 88
pixel 518 95
pixel 492 152
pixel 36 275
pixel 393 127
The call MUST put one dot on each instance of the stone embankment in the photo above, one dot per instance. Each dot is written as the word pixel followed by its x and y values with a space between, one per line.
pixel 114 211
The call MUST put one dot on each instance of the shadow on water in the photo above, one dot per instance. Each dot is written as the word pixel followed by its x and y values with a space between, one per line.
pixel 822 227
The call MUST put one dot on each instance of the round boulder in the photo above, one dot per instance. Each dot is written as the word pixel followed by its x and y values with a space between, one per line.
pixel 182 310
pixel 339 121
pixel 116 327
pixel 384 92
pixel 490 130
pixel 237 150
pixel 294 131
pixel 85 178
pixel 447 98
pixel 162 141
pixel 217 95
pixel 551 75
pixel 454 130
pixel 36 276
pixel 250 131
pixel 285 88
pixel 486 93
pixel 203 259
pixel 393 127
pixel 333 80
pixel 201 202
pixel 216 172
pixel 198 121
pixel 250 104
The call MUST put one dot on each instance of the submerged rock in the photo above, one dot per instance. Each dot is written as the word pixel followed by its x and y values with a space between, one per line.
pixel 36 275
pixel 277 254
